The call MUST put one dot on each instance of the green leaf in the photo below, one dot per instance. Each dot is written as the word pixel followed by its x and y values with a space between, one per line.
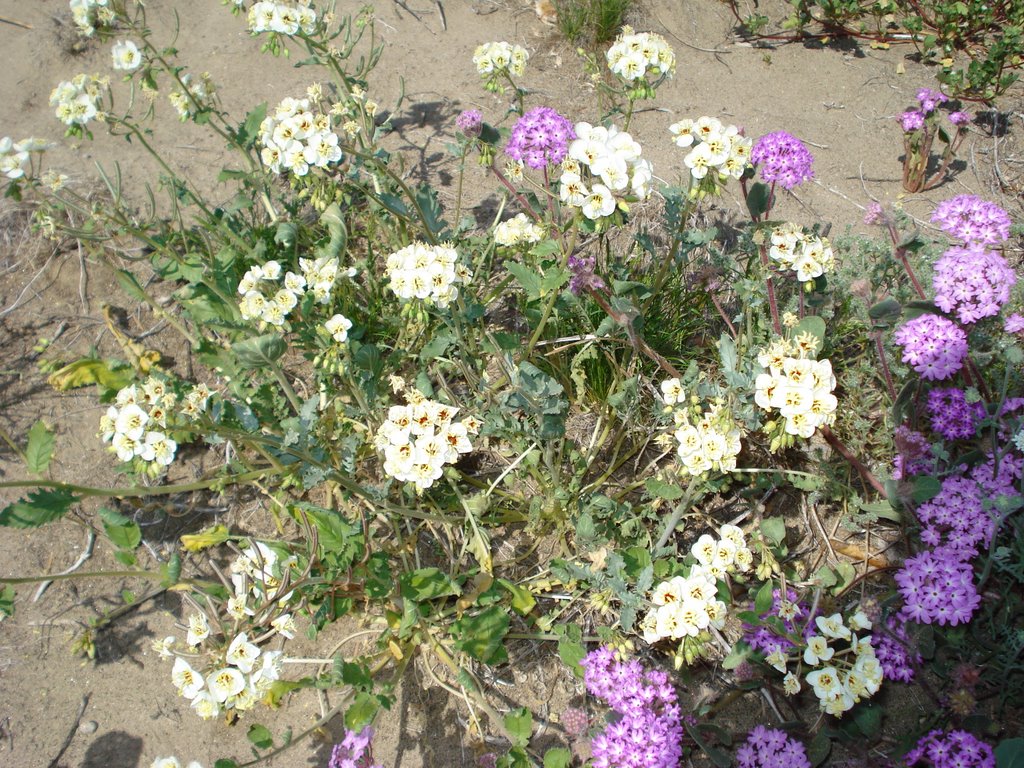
pixel 1010 753
pixel 819 748
pixel 334 221
pixel 286 233
pixel 250 129
pixel 130 285
pixel 441 340
pixel 260 736
pixel 557 757
pixel 225 763
pixel 774 529
pixel 38 508
pixel 571 652
pixel 813 325
pixel 925 489
pixel 108 374
pixel 847 573
pixel 40 447
pixel 122 531
pixel 763 599
pixel 362 711
pixel 526 277
pixel 519 723
pixel 885 313
pixel 736 656
pixel 334 533
pixel 427 584
pixel 757 199
pixel 522 599
pixel 7 600
pixel 881 509
pixel 659 489
pixel 171 571
pixel 261 351
pixel 482 636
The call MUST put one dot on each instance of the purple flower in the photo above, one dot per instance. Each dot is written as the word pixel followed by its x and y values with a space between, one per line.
pixel 783 158
pixel 353 751
pixel 583 277
pixel 470 122
pixel 959 119
pixel 540 138
pixel 912 452
pixel 956 749
pixel 937 587
pixel 1014 323
pixel 929 99
pixel 648 731
pixel 894 652
pixel 768 748
pixel 934 346
pixel 874 214
pixel 766 638
pixel 972 282
pixel 951 415
pixel 973 220
pixel 912 121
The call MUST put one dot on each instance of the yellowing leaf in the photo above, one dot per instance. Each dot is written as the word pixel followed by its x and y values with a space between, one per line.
pixel 89 370
pixel 209 537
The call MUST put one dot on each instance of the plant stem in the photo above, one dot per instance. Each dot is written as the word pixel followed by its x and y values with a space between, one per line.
pixel 677 514
pixel 846 453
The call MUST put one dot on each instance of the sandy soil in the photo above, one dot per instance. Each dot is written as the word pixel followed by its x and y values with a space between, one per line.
pixel 121 709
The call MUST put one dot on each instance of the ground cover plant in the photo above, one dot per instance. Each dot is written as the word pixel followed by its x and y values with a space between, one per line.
pixel 410 392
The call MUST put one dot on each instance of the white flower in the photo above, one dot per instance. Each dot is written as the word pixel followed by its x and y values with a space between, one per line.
pixel 777 659
pixel 163 647
pixel 817 650
pixel 338 326
pixel 242 653
pixel 824 681
pixel 188 681
pixel 126 55
pixel 166 762
pixel 832 626
pixel 285 625
pixel 599 203
pixel 205 705
pixel 791 684
pixel 225 683
pixel 198 629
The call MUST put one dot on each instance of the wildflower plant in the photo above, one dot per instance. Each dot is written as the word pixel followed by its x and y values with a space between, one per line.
pixel 921 127
pixel 407 394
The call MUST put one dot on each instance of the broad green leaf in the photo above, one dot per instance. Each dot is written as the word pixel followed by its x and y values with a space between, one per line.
pixel 522 599
pixel 925 489
pixel 659 489
pixel 763 599
pixel 881 509
pixel 757 199
pixel 260 736
pixel 286 233
pixel 1010 753
pixel 736 656
pixel 526 277
pixel 519 723
pixel 362 711
pixel 334 221
pixel 7 600
pixel 225 763
pixel 427 584
pixel 38 508
pixel 482 636
pixel 774 529
pixel 250 129
pixel 109 374
pixel 121 530
pixel 40 447
pixel 819 748
pixel 261 351
pixel 437 345
pixel 571 652
pixel 557 757
pixel 171 571
pixel 812 325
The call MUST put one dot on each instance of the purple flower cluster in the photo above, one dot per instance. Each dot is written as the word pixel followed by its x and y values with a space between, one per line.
pixel 1014 323
pixel 912 121
pixel 470 122
pixel 771 748
pixel 353 751
pixel 972 282
pixel 912 453
pixel 959 119
pixel 973 220
pixel 540 138
pixel 894 652
pixel 648 732
pixel 766 638
pixel 933 345
pixel 930 100
pixel 937 588
pixel 783 158
pixel 951 415
pixel 956 749
pixel 956 521
pixel 583 277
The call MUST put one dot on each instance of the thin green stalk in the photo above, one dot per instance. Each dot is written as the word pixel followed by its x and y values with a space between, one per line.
pixel 677 514
pixel 140 491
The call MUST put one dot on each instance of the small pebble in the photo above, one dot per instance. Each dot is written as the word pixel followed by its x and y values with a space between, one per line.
pixel 89 726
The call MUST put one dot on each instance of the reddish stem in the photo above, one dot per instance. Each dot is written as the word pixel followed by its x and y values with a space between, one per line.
pixel 839 447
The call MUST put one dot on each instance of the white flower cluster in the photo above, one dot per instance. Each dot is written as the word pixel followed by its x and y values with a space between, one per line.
pixel 727 554
pixel 282 18
pixel 497 58
pixel 808 255
pixel 715 147
pixel 78 100
pixel 135 424
pixel 798 387
pixel 707 440
pixel 839 685
pixel 199 90
pixel 338 326
pixel 88 14
pixel 518 230
pixel 684 607
pixel 258 574
pixel 637 55
pixel 266 299
pixel 173 762
pixel 295 139
pixel 608 160
pixel 430 273
pixel 14 156
pixel 237 680
pixel 126 55
pixel 418 439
